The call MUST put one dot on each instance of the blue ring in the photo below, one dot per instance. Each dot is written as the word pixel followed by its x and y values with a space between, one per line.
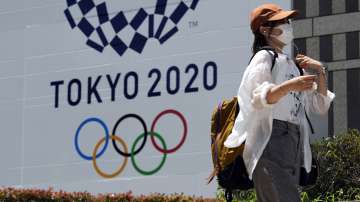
pixel 94 119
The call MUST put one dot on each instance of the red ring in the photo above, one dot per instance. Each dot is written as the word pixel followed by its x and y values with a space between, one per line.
pixel 171 111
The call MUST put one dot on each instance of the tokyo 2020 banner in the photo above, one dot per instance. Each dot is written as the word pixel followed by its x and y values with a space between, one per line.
pixel 117 95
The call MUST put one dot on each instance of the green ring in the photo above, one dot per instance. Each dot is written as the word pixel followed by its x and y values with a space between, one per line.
pixel 151 172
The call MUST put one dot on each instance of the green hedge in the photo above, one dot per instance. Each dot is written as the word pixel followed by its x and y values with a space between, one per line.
pixel 32 195
pixel 339 177
pixel 339 159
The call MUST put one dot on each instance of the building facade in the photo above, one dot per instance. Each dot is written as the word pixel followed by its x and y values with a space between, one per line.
pixel 328 30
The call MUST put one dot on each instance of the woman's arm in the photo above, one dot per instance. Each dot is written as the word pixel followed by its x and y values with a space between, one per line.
pixel 321 99
pixel 300 83
pixel 257 82
pixel 306 63
pixel 263 92
pixel 321 81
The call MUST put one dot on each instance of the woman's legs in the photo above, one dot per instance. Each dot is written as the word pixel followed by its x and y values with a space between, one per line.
pixel 276 175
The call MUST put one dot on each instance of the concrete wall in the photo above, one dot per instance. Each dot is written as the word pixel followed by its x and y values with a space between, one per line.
pixel 328 30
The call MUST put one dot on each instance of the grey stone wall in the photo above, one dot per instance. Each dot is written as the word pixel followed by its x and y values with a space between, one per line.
pixel 329 30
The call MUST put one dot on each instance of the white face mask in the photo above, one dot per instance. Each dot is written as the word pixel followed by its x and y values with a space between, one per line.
pixel 287 33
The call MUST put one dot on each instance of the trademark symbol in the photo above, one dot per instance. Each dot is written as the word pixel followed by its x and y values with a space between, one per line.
pixel 193 24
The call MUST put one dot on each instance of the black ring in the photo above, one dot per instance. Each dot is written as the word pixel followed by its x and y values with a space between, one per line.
pixel 114 133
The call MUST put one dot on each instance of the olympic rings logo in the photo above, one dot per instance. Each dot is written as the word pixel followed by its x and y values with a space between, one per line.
pixel 133 152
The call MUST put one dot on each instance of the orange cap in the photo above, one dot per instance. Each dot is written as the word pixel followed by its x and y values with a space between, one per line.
pixel 268 12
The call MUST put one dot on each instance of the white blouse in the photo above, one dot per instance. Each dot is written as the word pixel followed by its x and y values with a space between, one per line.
pixel 254 121
pixel 290 106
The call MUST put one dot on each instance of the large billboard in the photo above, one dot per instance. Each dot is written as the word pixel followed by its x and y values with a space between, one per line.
pixel 112 96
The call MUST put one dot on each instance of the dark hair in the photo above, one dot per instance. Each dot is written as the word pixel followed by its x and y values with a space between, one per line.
pixel 259 39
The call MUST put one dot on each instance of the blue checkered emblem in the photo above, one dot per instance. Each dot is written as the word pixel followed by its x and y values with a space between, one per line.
pixel 102 29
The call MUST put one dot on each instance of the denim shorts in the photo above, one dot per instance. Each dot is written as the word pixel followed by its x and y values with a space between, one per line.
pixel 276 175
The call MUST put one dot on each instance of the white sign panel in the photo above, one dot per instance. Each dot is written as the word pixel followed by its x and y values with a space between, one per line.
pixel 112 96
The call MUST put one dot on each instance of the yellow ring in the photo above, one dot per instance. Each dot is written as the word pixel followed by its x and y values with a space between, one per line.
pixel 97 169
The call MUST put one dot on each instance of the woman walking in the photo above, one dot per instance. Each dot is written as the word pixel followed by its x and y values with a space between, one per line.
pixel 274 103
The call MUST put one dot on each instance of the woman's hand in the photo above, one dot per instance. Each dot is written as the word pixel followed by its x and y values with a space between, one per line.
pixel 301 83
pixel 307 62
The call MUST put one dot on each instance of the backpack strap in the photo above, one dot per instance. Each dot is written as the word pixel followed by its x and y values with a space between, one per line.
pixel 300 69
pixel 308 120
pixel 228 195
pixel 274 59
pixel 307 117
pixel 269 49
